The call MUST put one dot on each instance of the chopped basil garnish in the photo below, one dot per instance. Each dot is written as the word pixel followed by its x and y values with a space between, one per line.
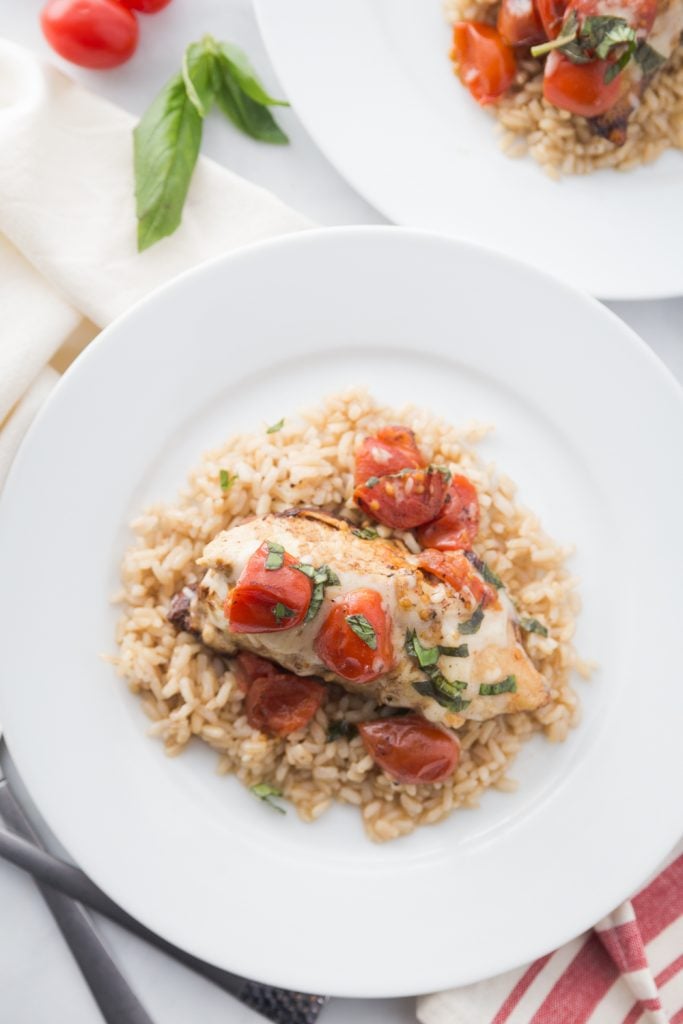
pixel 267 793
pixel 471 625
pixel 461 651
pixel 275 558
pixel 483 569
pixel 534 626
pixel 276 426
pixel 650 60
pixel 226 479
pixel 428 656
pixel 366 533
pixel 281 611
pixel 363 630
pixel 321 577
pixel 595 38
pixel 372 481
pixel 451 700
pixel 507 685
pixel 341 728
pixel 445 472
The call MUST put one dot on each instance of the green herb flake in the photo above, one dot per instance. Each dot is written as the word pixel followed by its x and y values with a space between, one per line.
pixel 596 37
pixel 340 728
pixel 471 625
pixel 226 479
pixel 444 471
pixel 425 655
pixel 507 685
pixel 275 558
pixel 276 426
pixel 461 651
pixel 363 630
pixel 322 578
pixel 452 702
pixel 482 568
pixel 268 794
pixel 533 626
pixel 649 59
pixel 372 481
pixel 281 611
pixel 366 533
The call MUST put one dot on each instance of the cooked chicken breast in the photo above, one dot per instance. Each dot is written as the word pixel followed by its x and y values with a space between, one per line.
pixel 483 673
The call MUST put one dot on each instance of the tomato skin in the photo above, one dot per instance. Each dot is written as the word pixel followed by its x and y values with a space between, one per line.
pixel 280 703
pixel 580 88
pixel 454 568
pixel 551 13
pixel 249 607
pixel 457 524
pixel 486 64
pixel 91 33
pixel 388 451
pixel 519 23
pixel 247 667
pixel 404 500
pixel 145 6
pixel 410 749
pixel 346 654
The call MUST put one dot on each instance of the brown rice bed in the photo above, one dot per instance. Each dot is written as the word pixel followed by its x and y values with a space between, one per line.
pixel 189 692
pixel 563 143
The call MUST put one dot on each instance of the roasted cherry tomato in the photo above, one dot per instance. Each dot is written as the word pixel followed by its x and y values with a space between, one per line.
pixel 485 63
pixel 410 749
pixel 146 6
pixel 458 521
pixel 580 88
pixel 551 13
pixel 355 639
pixel 247 667
pixel 92 33
pixel 266 600
pixel 519 23
pixel 388 451
pixel 639 14
pixel 455 569
pixel 403 500
pixel 280 703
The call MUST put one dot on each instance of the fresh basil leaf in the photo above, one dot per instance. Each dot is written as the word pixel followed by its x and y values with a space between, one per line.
pixel 533 626
pixel 267 793
pixel 166 145
pixel 453 702
pixel 250 117
pixel 322 577
pixel 226 479
pixel 198 74
pixel 307 570
pixel 472 624
pixel 340 727
pixel 507 685
pixel 275 558
pixel 576 53
pixel 276 426
pixel 425 655
pixel 461 651
pixel 650 60
pixel 281 611
pixel 244 74
pixel 366 533
pixel 483 569
pixel 363 630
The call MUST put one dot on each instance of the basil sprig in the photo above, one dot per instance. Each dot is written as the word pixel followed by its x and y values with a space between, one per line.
pixel 166 141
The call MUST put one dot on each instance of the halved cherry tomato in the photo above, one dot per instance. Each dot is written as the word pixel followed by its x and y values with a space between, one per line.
pixel 388 451
pixel 580 88
pixel 146 6
pixel 345 652
pixel 485 63
pixel 247 667
pixel 454 568
pixel 410 749
pixel 551 13
pixel 92 33
pixel 457 523
pixel 403 500
pixel 281 703
pixel 519 23
pixel 267 600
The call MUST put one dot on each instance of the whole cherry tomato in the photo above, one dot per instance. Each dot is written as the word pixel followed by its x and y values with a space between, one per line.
pixel 580 88
pixel 355 639
pixel 388 451
pixel 486 64
pixel 457 523
pixel 410 749
pixel 280 703
pixel 519 23
pixel 403 500
pixel 146 6
pixel 92 33
pixel 455 569
pixel 268 599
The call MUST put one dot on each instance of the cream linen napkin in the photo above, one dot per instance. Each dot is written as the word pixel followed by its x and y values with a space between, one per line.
pixel 68 258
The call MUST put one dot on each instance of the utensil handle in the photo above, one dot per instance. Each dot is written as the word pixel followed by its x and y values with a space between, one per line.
pixel 111 991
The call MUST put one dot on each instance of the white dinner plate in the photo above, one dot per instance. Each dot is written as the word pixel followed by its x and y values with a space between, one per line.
pixel 373 84
pixel 588 423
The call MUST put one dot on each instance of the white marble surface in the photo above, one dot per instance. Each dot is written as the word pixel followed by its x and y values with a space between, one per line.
pixel 39 982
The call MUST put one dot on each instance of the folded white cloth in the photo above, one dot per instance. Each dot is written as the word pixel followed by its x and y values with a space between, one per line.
pixel 67 214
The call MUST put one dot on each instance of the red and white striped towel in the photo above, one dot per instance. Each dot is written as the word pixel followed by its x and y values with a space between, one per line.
pixel 627 970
